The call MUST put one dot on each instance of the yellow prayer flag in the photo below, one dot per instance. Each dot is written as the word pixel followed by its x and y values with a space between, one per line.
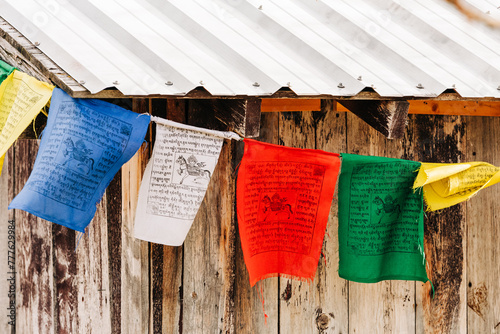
pixel 445 185
pixel 21 99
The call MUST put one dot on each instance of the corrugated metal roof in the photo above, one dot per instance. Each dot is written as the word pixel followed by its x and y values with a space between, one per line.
pixel 415 48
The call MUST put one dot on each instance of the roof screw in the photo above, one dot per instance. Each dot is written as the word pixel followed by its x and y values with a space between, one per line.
pixel 19 60
pixel 116 82
pixel 340 85
pixel 289 84
pixel 169 83
pixel 37 43
pixel 498 88
pixel 453 86
pixel 81 82
pixel 360 78
pixel 201 82
pixel 419 86
pixel 256 84
pixel 260 7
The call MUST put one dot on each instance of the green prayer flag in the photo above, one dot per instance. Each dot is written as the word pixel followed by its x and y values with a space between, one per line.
pixel 381 224
pixel 5 70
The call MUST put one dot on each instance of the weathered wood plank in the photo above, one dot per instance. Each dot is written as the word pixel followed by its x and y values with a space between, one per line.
pixel 209 257
pixel 34 292
pixel 208 280
pixel 65 279
pixel 142 105
pixel 7 248
pixel 242 116
pixel 442 139
pixel 388 117
pixel 298 304
pixel 13 57
pixel 239 115
pixel 114 223
pixel 331 290
pixel 483 232
pixel 32 61
pixel 94 295
pixel 387 306
pixel 171 288
pixel 135 252
pixel 249 308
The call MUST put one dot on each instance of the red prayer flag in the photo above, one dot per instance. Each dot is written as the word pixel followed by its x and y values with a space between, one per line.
pixel 283 201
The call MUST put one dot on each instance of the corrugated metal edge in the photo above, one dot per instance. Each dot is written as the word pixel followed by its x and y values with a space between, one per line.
pixel 63 80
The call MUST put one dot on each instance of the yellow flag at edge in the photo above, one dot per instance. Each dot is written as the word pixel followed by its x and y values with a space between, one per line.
pixel 1 163
pixel 445 185
pixel 21 99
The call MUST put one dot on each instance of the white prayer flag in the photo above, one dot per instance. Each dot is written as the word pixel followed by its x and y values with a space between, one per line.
pixel 175 181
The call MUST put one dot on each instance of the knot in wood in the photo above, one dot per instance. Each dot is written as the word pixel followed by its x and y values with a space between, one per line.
pixel 322 321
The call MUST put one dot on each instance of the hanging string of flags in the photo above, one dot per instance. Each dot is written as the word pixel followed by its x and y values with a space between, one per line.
pixel 284 194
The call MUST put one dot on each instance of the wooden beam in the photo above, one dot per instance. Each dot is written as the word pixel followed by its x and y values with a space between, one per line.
pixel 242 115
pixel 424 107
pixel 387 117
pixel 463 108
pixel 239 115
pixel 270 105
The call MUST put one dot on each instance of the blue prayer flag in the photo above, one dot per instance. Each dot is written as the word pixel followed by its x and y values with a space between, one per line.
pixel 85 143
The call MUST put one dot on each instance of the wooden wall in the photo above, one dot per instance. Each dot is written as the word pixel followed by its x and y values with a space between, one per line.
pixel 113 283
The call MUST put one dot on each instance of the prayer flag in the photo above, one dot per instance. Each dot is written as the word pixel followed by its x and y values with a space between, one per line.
pixel 381 224
pixel 84 144
pixel 445 185
pixel 21 99
pixel 5 70
pixel 284 197
pixel 175 182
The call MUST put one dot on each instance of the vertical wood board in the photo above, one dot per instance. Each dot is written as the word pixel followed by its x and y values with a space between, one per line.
pixel 172 291
pixel 387 306
pixel 299 307
pixel 34 292
pixel 483 232
pixel 208 256
pixel 442 139
pixel 331 290
pixel 94 293
pixel 253 304
pixel 134 255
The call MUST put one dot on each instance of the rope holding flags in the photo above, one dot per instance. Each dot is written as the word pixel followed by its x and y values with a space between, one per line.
pixel 283 194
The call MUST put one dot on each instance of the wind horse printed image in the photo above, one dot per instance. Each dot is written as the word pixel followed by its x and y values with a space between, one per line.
pixel 380 220
pixel 193 170
pixel 84 145
pixel 79 155
pixel 175 182
pixel 283 199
